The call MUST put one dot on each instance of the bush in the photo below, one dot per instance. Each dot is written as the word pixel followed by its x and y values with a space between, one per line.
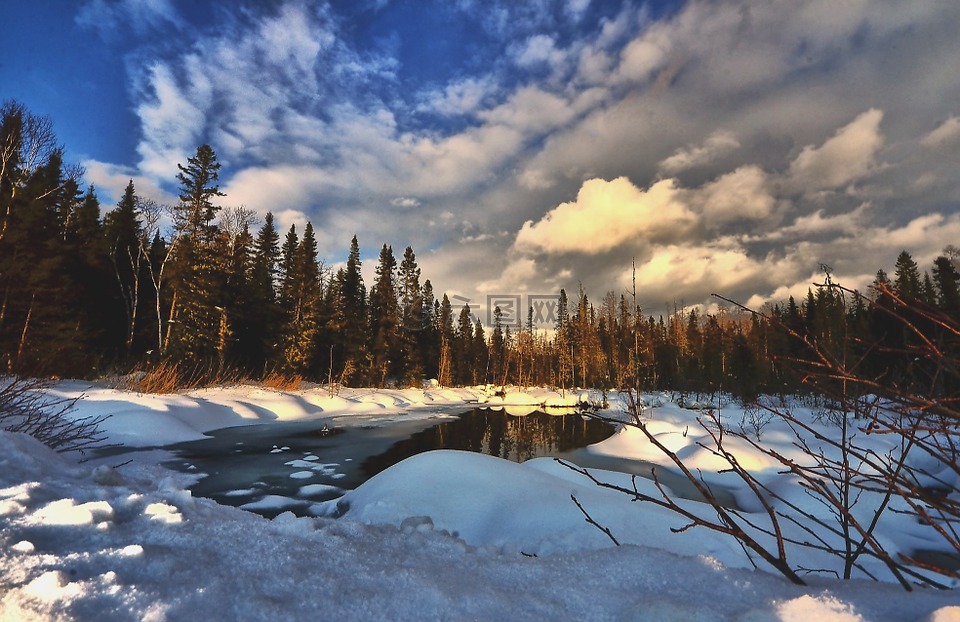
pixel 26 406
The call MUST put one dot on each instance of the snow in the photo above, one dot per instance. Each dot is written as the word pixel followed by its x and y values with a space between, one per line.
pixel 445 535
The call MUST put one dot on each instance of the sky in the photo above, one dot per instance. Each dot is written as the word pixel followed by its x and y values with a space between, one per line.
pixel 682 147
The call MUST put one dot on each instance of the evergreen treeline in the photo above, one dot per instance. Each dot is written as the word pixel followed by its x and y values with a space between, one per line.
pixel 206 287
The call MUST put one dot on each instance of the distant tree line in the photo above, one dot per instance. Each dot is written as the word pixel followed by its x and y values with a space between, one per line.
pixel 200 285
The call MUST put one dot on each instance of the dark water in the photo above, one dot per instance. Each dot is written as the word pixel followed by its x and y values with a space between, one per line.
pixel 307 464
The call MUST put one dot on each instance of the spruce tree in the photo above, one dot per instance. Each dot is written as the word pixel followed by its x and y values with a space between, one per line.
pixel 302 299
pixel 123 230
pixel 906 282
pixel 428 337
pixel 385 319
pixel 260 346
pixel 197 317
pixel 947 280
pixel 463 349
pixel 412 321
pixel 351 314
pixel 444 329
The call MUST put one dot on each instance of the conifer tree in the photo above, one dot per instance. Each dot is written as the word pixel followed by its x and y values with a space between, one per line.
pixel 385 319
pixel 463 347
pixel 429 337
pixel 444 318
pixel 288 276
pixel 498 349
pixel 562 341
pixel 260 346
pixel 197 319
pixel 412 321
pixel 906 282
pixel 240 300
pixel 351 313
pixel 479 355
pixel 123 230
pixel 947 279
pixel 302 298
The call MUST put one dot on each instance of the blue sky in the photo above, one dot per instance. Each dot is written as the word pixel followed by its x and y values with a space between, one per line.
pixel 521 147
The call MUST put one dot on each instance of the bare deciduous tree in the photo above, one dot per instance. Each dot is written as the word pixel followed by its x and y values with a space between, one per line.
pixel 839 469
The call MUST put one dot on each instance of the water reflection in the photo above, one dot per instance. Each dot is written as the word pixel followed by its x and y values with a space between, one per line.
pixel 517 433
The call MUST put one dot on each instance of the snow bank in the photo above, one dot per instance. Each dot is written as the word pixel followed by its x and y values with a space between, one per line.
pixel 143 549
pixel 143 420
pixel 442 535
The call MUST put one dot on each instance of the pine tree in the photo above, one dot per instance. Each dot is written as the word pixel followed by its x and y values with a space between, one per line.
pixel 479 354
pixel 385 319
pixel 498 350
pixel 351 313
pixel 260 346
pixel 302 296
pixel 906 282
pixel 197 318
pixel 947 279
pixel 123 230
pixel 463 347
pixel 429 337
pixel 37 276
pixel 240 301
pixel 412 321
pixel 288 274
pixel 562 341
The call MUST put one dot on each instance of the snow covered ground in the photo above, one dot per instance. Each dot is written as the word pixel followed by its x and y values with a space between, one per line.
pixel 444 535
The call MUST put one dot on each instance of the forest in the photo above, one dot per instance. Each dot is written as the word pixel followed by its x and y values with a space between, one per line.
pixel 212 291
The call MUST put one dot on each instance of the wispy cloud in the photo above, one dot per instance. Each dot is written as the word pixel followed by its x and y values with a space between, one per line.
pixel 726 146
pixel 113 19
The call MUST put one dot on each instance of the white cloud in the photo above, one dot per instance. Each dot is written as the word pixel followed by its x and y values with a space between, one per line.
pixel 606 215
pixel 686 269
pixel 111 17
pixel 289 38
pixel 404 202
pixel 947 134
pixel 531 110
pixel 849 155
pixel 817 224
pixel 743 194
pixel 461 97
pixel 110 181
pixel 172 121
pixel 717 144
pixel 752 94
pixel 644 55
pixel 576 8
pixel 539 50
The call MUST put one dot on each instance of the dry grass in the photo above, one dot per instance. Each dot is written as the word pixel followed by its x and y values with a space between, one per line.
pixel 282 382
pixel 172 377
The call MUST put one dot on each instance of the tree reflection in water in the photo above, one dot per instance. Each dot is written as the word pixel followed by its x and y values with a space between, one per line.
pixel 513 435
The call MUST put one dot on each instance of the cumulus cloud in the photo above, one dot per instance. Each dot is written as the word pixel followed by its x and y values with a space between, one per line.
pixel 743 194
pixel 717 144
pixel 644 55
pixel 539 50
pixel 947 134
pixel 460 97
pixel 819 223
pixel 607 214
pixel 849 155
pixel 758 107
